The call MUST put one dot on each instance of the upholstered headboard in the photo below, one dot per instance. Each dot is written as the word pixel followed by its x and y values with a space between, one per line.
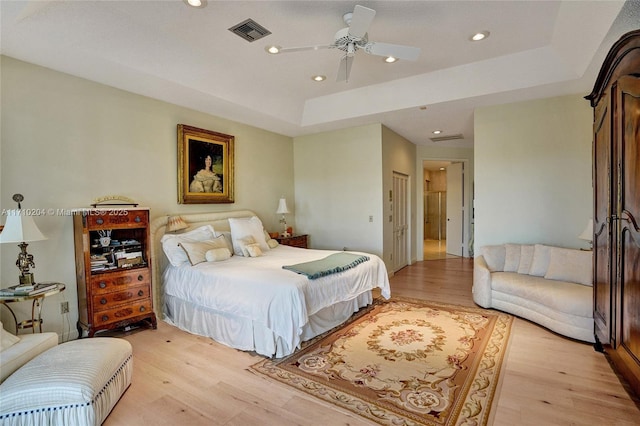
pixel 219 221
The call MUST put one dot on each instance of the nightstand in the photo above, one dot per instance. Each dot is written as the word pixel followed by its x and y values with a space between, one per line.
pixel 294 241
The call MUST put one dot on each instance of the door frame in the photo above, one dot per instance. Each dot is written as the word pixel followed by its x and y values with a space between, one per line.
pixel 468 203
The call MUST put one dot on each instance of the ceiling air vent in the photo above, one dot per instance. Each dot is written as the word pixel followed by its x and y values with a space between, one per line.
pixel 250 30
pixel 447 138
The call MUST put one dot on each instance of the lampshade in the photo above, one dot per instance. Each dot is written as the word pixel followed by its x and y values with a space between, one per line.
pixel 176 223
pixel 282 206
pixel 20 228
pixel 587 234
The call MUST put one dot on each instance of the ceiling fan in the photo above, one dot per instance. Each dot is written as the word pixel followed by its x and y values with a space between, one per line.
pixel 353 38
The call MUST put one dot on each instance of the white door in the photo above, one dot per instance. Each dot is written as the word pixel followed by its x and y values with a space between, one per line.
pixel 455 209
pixel 400 222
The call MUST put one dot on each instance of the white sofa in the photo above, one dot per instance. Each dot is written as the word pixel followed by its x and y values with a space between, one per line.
pixel 551 286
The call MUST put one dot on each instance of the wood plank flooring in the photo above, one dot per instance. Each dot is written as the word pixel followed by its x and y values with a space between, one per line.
pixel 182 379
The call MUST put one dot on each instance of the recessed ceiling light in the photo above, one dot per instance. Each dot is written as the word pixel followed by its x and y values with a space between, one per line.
pixel 273 49
pixel 480 36
pixel 442 168
pixel 318 78
pixel 196 3
pixel 437 132
pixel 390 59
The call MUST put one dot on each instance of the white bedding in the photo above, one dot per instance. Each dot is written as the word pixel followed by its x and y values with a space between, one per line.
pixel 259 290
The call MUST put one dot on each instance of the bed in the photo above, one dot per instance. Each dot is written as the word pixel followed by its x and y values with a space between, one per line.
pixel 253 303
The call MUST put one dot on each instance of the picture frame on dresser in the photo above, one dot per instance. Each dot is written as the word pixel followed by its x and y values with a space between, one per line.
pixel 205 166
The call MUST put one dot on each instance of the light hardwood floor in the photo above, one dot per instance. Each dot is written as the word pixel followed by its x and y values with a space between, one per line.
pixel 182 379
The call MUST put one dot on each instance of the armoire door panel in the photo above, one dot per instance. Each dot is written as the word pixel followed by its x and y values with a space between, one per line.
pixel 629 216
pixel 602 157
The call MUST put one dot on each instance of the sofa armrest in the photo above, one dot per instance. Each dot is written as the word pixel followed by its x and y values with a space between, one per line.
pixel 481 282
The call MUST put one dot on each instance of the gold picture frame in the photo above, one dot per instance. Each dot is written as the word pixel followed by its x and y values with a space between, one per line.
pixel 205 166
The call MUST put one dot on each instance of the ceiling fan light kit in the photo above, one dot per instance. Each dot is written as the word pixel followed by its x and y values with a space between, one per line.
pixel 355 37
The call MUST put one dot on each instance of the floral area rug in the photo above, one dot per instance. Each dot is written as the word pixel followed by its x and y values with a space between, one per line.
pixel 404 362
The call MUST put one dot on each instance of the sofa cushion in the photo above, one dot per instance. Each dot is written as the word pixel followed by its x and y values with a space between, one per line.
pixel 526 257
pixel 494 256
pixel 511 258
pixel 570 265
pixel 540 261
pixel 23 351
pixel 570 298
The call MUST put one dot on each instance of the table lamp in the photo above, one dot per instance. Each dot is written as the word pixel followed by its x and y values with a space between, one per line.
pixel 282 209
pixel 176 223
pixel 587 234
pixel 21 228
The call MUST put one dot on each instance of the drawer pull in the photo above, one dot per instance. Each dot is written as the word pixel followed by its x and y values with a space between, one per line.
pixel 99 221
pixel 140 293
pixel 105 317
pixel 142 309
pixel 140 277
pixel 137 219
pixel 102 284
pixel 103 301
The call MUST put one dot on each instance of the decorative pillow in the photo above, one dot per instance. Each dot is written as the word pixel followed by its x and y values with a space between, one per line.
pixel 540 261
pixel 512 257
pixel 494 256
pixel 272 243
pixel 176 255
pixel 247 227
pixel 570 265
pixel 526 257
pixel 253 250
pixel 197 250
pixel 243 243
pixel 7 339
pixel 217 254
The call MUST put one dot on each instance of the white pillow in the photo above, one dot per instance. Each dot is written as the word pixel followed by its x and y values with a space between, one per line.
pixel 512 257
pixel 7 339
pixel 253 250
pixel 197 250
pixel 526 257
pixel 540 262
pixel 570 265
pixel 217 254
pixel 247 227
pixel 494 256
pixel 176 255
pixel 272 243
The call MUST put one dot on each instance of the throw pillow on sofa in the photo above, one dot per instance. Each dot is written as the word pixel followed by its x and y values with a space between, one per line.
pixel 570 265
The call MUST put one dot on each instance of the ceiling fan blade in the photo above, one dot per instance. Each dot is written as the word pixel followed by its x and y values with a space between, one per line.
pixel 361 21
pixel 396 50
pixel 303 48
pixel 345 68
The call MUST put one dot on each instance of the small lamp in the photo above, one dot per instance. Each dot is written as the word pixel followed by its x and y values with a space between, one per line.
pixel 176 223
pixel 282 209
pixel 21 228
pixel 587 234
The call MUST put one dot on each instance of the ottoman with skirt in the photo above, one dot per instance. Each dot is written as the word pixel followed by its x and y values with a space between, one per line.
pixel 75 383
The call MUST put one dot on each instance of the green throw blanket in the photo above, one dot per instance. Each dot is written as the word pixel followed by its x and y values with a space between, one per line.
pixel 331 264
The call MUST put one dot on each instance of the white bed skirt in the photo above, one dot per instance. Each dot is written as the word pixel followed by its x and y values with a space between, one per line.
pixel 247 335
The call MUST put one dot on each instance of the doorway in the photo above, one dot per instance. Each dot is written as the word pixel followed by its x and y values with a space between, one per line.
pixel 439 224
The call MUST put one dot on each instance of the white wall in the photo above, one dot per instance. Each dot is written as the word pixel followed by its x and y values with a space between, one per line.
pixel 398 155
pixel 431 152
pixel 338 185
pixel 533 172
pixel 65 141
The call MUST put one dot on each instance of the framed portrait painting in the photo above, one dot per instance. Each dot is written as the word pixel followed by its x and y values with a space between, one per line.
pixel 205 166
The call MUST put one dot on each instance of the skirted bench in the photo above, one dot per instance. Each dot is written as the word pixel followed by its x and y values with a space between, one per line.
pixel 551 286
pixel 75 383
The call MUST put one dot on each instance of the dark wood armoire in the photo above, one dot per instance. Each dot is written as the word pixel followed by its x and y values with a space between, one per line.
pixel 616 185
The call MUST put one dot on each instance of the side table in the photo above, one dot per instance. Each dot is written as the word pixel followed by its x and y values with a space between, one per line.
pixel 294 240
pixel 36 307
